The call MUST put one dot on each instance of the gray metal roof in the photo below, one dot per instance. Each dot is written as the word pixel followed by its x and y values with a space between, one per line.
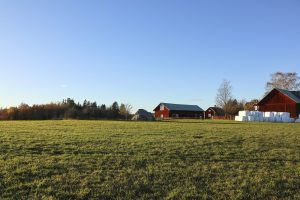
pixel 182 107
pixel 294 95
pixel 142 114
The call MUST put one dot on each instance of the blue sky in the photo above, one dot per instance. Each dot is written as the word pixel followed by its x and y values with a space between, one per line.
pixel 144 52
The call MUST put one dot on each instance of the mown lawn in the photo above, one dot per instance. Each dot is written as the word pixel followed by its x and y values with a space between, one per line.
pixel 156 160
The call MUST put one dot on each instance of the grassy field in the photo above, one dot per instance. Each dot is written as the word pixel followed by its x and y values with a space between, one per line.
pixel 156 160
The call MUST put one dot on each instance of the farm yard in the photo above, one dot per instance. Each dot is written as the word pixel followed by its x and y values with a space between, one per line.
pixel 179 159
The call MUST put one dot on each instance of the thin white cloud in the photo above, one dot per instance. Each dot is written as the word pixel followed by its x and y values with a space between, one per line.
pixel 63 85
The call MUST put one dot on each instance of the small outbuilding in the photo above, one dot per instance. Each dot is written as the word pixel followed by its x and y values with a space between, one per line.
pixel 215 111
pixel 143 115
pixel 170 110
pixel 279 100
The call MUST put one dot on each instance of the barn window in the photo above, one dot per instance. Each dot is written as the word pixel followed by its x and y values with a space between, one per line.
pixel 162 107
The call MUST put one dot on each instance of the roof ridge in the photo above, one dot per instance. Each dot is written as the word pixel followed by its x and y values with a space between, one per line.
pixel 187 107
pixel 180 104
pixel 289 94
pixel 286 90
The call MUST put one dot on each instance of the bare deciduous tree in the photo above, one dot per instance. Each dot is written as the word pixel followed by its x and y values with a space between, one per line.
pixel 224 96
pixel 287 81
pixel 125 110
pixel 234 106
pixel 128 109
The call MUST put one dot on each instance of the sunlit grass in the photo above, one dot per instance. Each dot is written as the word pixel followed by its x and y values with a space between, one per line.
pixel 185 159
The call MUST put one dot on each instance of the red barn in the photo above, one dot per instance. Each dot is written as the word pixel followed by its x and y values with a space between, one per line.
pixel 169 110
pixel 279 100
pixel 215 111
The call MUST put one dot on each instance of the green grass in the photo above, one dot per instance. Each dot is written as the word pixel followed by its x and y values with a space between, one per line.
pixel 155 160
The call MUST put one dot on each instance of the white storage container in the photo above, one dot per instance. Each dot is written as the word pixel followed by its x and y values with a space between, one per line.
pixel 269 114
pixel 266 119
pixel 271 119
pixel 278 119
pixel 257 116
pixel 238 118
pixel 244 113
pixel 251 118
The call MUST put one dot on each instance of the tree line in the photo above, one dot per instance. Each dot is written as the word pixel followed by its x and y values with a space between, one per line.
pixel 67 109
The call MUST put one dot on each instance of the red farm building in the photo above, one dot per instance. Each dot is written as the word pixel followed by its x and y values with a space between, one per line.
pixel 169 110
pixel 279 100
pixel 215 111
